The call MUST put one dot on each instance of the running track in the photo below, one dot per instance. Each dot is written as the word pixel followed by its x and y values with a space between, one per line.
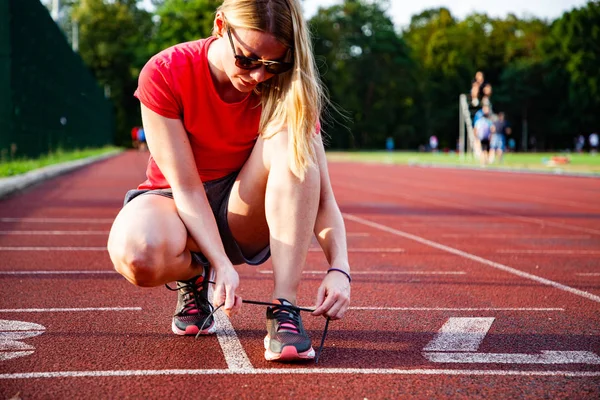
pixel 467 284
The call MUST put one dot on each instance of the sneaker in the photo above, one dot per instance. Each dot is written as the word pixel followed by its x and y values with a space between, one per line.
pixel 193 312
pixel 286 338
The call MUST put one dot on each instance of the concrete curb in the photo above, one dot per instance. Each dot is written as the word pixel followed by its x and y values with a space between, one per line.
pixel 17 183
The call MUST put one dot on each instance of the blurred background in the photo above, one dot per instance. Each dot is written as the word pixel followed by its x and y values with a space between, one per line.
pixel 68 69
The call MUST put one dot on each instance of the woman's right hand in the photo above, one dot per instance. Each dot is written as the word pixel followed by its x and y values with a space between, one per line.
pixel 226 283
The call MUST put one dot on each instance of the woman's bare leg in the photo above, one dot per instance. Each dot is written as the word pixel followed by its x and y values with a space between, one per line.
pixel 270 205
pixel 148 243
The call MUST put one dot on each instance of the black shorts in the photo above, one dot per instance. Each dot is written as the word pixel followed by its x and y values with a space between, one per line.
pixel 217 192
pixel 485 144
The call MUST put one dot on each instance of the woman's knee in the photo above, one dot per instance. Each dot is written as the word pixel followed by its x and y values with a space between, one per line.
pixel 139 263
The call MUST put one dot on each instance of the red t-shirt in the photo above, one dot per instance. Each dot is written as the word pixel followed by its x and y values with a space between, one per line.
pixel 177 83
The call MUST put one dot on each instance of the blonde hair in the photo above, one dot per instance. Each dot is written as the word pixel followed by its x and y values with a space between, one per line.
pixel 293 100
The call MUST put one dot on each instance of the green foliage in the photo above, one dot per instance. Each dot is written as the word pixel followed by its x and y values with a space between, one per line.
pixel 368 73
pixel 545 75
pixel 114 37
pixel 182 21
pixel 12 167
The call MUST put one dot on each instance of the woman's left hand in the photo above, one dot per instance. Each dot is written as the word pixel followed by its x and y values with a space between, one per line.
pixel 333 296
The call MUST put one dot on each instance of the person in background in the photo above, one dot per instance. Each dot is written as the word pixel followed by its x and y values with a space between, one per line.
pixel 483 129
pixel 593 140
pixel 134 137
pixel 579 144
pixel 141 134
pixel 498 140
pixel 237 174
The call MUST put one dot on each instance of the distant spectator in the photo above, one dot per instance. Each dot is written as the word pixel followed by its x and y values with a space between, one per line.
pixel 134 137
pixel 486 97
pixel 389 144
pixel 474 94
pixel 579 143
pixel 512 144
pixel 433 143
pixel 593 140
pixel 498 141
pixel 484 110
pixel 483 130
pixel 141 134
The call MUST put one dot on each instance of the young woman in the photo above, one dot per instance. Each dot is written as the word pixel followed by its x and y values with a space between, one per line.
pixel 237 173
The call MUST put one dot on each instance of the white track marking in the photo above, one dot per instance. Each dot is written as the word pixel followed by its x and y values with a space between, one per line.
pixel 588 274
pixel 545 357
pixel 460 334
pixel 473 257
pixel 296 371
pixel 53 233
pixel 60 220
pixel 23 310
pixel 455 309
pixel 385 272
pixel 511 236
pixel 11 332
pixel 552 252
pixel 235 356
pixel 9 355
pixel 10 340
pixel 58 272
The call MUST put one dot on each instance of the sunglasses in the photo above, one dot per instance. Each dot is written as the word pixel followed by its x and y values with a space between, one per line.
pixel 249 63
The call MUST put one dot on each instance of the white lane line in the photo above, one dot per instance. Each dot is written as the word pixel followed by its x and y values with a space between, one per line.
pixel 545 357
pixel 460 334
pixel 473 257
pixel 455 309
pixel 14 354
pixel 385 272
pixel 24 310
pixel 53 233
pixel 60 220
pixel 553 252
pixel 57 272
pixel 588 274
pixel 296 371
pixel 17 248
pixel 235 356
pixel 512 236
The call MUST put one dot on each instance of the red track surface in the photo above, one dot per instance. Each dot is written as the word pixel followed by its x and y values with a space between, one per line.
pixel 429 247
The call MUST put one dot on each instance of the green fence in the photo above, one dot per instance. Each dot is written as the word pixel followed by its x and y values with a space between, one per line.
pixel 48 97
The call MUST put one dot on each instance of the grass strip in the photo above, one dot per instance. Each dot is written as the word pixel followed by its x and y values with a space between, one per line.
pixel 22 165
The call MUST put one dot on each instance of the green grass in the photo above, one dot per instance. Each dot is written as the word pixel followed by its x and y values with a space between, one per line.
pixel 578 163
pixel 23 165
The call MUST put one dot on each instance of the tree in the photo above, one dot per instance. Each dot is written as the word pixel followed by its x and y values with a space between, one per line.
pixel 368 73
pixel 182 21
pixel 113 43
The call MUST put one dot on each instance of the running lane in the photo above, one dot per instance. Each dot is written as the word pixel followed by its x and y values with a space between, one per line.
pixel 466 284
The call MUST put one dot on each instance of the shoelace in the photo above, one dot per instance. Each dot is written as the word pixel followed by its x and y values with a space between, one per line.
pixel 190 297
pixel 287 318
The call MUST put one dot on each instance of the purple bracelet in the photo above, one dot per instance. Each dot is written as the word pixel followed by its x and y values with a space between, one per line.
pixel 342 271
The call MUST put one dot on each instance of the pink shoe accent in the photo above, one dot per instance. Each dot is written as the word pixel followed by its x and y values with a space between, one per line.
pixel 193 330
pixel 288 353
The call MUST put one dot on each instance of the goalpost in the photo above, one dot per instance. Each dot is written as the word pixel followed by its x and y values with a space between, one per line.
pixel 466 135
